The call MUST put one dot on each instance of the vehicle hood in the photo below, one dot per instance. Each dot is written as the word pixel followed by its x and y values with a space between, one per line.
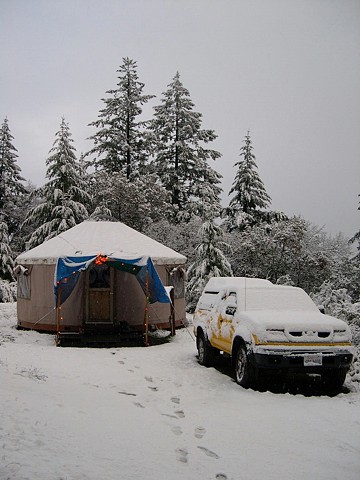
pixel 304 326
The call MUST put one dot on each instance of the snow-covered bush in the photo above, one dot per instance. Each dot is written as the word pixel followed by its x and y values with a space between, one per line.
pixel 295 249
pixel 182 237
pixel 7 291
pixel 285 280
pixel 354 372
pixel 137 203
pixel 337 302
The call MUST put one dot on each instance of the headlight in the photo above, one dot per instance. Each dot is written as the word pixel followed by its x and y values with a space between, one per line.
pixel 270 335
pixel 342 335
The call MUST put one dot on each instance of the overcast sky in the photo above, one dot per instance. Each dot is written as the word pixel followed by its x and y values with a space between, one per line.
pixel 287 70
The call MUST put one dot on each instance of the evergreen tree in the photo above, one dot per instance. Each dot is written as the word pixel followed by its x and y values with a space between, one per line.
pixel 12 189
pixel 210 262
pixel 250 197
pixel 356 238
pixel 181 160
pixel 62 200
pixel 6 254
pixel 23 233
pixel 121 141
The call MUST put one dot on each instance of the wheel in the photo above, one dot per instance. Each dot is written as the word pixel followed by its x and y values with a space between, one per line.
pixel 244 371
pixel 205 351
pixel 334 378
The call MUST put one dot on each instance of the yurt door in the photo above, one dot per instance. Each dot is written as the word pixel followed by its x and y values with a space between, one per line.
pixel 99 293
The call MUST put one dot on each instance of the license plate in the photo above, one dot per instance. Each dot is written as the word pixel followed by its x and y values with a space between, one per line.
pixel 312 359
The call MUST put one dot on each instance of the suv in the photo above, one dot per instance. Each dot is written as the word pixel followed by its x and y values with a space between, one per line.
pixel 266 327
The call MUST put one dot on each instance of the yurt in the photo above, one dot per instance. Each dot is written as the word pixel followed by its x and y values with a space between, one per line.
pixel 100 278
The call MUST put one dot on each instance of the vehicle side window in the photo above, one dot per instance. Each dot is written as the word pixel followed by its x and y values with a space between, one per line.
pixel 208 300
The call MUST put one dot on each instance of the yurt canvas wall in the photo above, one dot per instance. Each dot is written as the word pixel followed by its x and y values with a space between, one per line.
pixel 36 269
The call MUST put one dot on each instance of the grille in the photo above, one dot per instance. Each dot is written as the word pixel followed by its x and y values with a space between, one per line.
pixel 319 334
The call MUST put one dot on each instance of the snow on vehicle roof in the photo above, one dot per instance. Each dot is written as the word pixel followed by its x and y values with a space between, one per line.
pixel 108 238
pixel 259 294
pixel 218 283
pixel 277 298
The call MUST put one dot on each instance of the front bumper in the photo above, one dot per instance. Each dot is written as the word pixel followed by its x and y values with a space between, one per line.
pixel 302 361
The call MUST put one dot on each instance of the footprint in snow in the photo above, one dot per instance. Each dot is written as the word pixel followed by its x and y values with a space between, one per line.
pixel 10 470
pixel 199 432
pixel 176 430
pixel 180 414
pixel 208 452
pixel 168 415
pixel 175 400
pixel 154 389
pixel 137 404
pixel 121 362
pixel 148 379
pixel 128 393
pixel 181 455
pixel 221 476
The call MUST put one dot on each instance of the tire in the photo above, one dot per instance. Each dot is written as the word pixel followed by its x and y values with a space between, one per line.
pixel 334 379
pixel 244 371
pixel 205 351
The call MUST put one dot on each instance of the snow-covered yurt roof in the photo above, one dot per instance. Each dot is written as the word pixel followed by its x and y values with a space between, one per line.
pixel 113 239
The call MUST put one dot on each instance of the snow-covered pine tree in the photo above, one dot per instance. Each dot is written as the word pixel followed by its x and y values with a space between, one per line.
pixel 354 286
pixel 210 262
pixel 63 198
pixel 12 188
pixel 121 141
pixel 181 160
pixel 6 254
pixel 250 198
pixel 356 238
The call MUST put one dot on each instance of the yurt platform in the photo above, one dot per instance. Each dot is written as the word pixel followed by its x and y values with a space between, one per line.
pixel 109 340
pixel 73 339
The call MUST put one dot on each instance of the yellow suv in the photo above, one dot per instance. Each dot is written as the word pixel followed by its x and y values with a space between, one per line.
pixel 266 327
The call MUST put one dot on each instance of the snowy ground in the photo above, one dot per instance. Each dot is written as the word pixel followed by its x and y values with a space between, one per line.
pixel 155 413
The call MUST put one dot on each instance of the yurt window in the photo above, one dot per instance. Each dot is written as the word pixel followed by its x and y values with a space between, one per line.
pixel 23 282
pixel 176 278
pixel 99 276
